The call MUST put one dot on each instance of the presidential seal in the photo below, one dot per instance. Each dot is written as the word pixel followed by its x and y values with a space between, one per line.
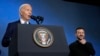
pixel 43 37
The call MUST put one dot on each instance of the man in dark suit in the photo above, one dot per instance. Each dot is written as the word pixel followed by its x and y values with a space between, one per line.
pixel 25 12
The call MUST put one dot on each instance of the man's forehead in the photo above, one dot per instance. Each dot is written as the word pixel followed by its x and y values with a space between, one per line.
pixel 80 30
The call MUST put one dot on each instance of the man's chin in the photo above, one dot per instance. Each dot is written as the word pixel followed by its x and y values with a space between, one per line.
pixel 28 19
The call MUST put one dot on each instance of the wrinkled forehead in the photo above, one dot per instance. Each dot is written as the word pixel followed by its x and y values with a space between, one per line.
pixel 23 6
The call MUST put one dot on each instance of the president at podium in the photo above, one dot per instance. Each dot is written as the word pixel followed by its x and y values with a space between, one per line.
pixel 25 11
pixel 25 39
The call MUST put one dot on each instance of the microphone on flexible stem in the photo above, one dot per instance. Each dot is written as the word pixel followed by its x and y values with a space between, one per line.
pixel 38 19
pixel 34 18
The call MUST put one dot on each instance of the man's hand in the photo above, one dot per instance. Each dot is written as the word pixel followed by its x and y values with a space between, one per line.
pixel 82 41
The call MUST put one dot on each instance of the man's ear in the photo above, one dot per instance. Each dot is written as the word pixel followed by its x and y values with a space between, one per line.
pixel 20 13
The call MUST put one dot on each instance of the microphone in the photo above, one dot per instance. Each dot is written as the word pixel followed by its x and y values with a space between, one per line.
pixel 38 19
pixel 33 17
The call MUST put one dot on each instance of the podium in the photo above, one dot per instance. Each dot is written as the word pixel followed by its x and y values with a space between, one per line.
pixel 24 45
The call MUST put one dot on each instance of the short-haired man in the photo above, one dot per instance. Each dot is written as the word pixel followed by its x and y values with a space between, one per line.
pixel 81 47
pixel 25 11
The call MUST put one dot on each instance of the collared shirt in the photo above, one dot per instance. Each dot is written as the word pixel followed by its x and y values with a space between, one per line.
pixel 24 22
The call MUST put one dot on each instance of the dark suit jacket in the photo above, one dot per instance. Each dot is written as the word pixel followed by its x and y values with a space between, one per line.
pixel 11 31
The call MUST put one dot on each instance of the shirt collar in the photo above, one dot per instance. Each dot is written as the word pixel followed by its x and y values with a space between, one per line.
pixel 23 22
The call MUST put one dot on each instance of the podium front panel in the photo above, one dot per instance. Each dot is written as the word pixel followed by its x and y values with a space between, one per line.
pixel 26 45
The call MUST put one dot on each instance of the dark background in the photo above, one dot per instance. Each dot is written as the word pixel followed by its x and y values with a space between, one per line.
pixel 68 14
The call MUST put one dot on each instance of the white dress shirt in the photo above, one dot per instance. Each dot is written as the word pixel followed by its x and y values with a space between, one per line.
pixel 24 22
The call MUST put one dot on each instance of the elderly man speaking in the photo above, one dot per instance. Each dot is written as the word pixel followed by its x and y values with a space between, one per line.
pixel 25 11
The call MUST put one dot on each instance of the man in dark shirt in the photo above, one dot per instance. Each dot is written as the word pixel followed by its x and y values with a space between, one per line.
pixel 81 47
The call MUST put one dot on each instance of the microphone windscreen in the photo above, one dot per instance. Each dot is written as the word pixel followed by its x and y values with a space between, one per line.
pixel 33 17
